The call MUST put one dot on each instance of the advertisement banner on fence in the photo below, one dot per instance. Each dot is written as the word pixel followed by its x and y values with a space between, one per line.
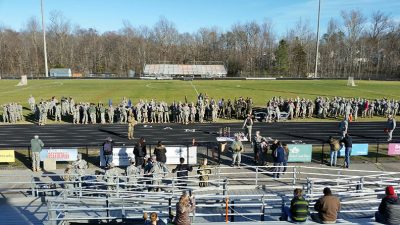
pixel 7 156
pixel 357 149
pixel 300 153
pixel 394 149
pixel 176 152
pixel 59 154
pixel 121 156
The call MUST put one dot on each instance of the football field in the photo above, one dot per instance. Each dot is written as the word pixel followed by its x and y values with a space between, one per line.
pixel 100 90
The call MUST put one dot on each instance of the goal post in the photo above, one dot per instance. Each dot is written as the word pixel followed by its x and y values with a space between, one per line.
pixel 24 81
pixel 350 82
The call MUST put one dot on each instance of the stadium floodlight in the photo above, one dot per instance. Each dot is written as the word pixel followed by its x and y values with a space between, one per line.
pixel 317 42
pixel 44 40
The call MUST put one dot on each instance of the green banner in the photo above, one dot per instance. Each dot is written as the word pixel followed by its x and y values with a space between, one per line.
pixel 300 153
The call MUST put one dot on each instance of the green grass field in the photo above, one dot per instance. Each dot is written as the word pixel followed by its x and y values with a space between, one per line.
pixel 169 90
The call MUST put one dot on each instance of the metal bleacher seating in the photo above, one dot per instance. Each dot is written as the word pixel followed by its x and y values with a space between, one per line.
pixel 172 70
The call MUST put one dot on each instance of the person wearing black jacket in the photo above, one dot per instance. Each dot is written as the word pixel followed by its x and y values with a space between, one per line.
pixel 160 151
pixel 348 144
pixel 182 172
pixel 388 211
pixel 140 152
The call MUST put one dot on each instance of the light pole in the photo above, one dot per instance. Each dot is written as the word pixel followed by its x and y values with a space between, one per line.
pixel 44 41
pixel 317 43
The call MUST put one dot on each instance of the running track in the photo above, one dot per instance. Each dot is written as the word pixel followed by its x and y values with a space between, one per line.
pixel 69 135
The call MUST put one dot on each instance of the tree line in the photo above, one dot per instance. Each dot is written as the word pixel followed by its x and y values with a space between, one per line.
pixel 353 45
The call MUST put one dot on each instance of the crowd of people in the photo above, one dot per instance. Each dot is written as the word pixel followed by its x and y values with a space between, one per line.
pixel 153 169
pixel 12 112
pixel 204 109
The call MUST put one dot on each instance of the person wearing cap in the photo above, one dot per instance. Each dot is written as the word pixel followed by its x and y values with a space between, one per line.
pixel 80 166
pixel 111 176
pixel 204 171
pixel 390 126
pixel 36 147
pixel 157 172
pixel 108 146
pixel 132 172
pixel 388 211
pixel 68 179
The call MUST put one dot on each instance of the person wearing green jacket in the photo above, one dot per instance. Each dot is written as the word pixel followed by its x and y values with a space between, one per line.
pixel 36 147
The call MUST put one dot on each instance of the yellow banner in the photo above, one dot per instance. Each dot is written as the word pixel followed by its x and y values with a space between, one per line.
pixel 7 156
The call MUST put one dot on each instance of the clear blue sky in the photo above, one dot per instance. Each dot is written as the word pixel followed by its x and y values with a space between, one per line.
pixel 189 15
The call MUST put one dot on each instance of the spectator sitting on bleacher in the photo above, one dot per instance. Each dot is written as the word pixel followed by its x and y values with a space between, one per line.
pixel 388 211
pixel 298 210
pixel 327 207
pixel 153 219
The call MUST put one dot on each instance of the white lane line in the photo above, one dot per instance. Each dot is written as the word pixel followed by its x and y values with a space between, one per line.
pixel 194 87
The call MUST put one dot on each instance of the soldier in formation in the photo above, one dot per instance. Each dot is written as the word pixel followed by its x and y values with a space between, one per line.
pixel 12 113
pixel 205 109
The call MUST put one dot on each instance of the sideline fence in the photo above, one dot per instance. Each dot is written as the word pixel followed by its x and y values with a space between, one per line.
pixel 377 152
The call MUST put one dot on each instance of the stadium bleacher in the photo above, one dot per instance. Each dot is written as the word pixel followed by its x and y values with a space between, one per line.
pixel 177 70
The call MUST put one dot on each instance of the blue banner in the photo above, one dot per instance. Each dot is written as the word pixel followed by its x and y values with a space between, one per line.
pixel 300 153
pixel 59 154
pixel 358 149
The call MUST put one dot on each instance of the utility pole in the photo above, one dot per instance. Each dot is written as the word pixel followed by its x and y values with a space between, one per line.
pixel 44 41
pixel 317 43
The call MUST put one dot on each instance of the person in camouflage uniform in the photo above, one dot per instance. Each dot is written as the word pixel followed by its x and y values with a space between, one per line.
pixel 57 114
pixel 102 111
pixel 5 113
pixel 132 173
pixel 80 166
pixel 92 113
pixel 76 114
pixel 131 125
pixel 204 171
pixel 111 176
pixel 68 180
pixel 31 102
pixel 157 172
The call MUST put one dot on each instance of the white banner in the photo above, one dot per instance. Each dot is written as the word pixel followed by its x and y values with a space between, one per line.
pixel 176 152
pixel 120 156
pixel 59 154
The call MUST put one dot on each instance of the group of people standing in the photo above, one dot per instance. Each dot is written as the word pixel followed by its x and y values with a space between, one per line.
pixel 154 165
pixel 204 109
pixel 12 112
pixel 261 146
